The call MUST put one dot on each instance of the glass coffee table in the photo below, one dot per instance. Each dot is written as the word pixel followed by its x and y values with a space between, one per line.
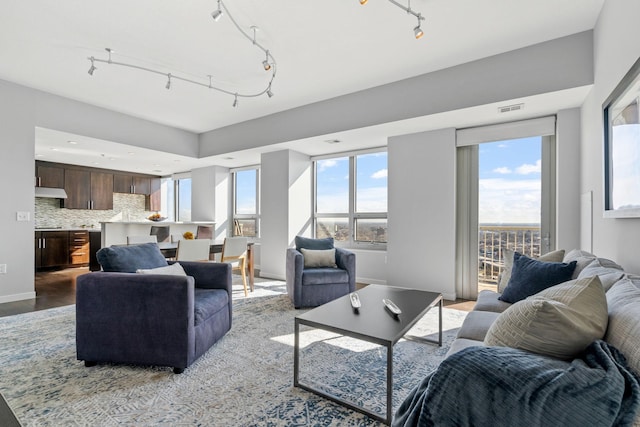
pixel 374 323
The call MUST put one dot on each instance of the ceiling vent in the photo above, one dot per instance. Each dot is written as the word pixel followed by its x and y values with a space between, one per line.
pixel 508 108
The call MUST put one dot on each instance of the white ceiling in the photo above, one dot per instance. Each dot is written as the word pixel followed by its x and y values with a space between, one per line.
pixel 323 49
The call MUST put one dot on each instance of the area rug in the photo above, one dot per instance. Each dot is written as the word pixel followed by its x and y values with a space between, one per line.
pixel 246 379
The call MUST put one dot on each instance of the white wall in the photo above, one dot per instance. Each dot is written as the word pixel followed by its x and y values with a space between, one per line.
pixel 568 179
pixel 17 133
pixel 546 67
pixel 616 48
pixel 285 193
pixel 422 215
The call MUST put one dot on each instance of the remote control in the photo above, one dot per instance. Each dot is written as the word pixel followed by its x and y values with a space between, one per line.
pixel 355 300
pixel 391 306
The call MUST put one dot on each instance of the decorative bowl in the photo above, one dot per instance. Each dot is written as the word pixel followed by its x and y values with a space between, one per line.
pixel 157 218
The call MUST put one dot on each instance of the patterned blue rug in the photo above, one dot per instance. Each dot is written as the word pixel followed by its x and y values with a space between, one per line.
pixel 246 379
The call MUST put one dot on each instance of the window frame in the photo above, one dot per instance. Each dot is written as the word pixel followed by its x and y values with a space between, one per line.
pixel 352 216
pixel 233 214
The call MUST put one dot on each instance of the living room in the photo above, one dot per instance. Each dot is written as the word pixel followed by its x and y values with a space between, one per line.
pixel 568 73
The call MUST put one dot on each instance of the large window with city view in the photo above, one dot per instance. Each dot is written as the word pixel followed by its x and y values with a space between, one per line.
pixel 509 203
pixel 246 206
pixel 182 190
pixel 351 198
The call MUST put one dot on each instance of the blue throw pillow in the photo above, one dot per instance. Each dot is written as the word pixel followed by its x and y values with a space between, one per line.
pixel 128 259
pixel 314 244
pixel 530 276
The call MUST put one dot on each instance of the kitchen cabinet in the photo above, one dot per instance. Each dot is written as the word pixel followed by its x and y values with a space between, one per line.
pixel 49 176
pixel 52 248
pixel 131 184
pixel 153 202
pixel 78 247
pixel 88 190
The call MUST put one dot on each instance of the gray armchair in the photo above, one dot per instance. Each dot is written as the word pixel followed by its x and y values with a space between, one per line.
pixel 150 319
pixel 312 286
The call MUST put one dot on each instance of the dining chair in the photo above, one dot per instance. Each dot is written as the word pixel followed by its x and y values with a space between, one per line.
pixel 161 231
pixel 193 250
pixel 136 240
pixel 234 252
pixel 204 232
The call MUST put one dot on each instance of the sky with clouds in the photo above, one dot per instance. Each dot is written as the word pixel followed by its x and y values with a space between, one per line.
pixel 509 182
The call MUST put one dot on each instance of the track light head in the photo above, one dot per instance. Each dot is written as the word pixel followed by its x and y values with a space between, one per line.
pixel 235 101
pixel 217 14
pixel 417 31
pixel 266 65
pixel 363 2
pixel 269 93
pixel 168 85
pixel 92 68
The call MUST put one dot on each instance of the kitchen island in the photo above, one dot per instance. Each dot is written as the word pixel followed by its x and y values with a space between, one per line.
pixel 116 232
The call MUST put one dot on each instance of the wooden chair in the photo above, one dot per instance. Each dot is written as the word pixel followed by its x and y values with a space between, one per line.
pixel 136 240
pixel 234 252
pixel 204 232
pixel 193 250
pixel 161 231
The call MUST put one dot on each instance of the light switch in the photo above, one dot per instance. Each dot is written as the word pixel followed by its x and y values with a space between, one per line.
pixel 23 216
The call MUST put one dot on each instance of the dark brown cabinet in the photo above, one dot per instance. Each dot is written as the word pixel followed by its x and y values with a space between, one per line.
pixel 78 247
pixel 49 176
pixel 88 190
pixel 52 248
pixel 132 184
pixel 153 202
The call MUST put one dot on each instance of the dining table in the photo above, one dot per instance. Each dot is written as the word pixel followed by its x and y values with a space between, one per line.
pixel 169 250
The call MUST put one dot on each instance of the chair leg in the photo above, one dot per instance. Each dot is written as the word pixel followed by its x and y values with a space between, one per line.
pixel 244 278
pixel 178 370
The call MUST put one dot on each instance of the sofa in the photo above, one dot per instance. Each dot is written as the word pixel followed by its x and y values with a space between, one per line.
pixel 143 310
pixel 554 355
pixel 317 272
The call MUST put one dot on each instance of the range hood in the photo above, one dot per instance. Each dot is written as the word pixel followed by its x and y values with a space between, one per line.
pixel 52 193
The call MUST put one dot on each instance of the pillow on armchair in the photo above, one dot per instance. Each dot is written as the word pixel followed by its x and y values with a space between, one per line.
pixel 314 244
pixel 129 259
pixel 319 258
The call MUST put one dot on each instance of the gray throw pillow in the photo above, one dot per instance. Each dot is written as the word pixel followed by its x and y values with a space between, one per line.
pixel 530 276
pixel 174 269
pixel 624 323
pixel 315 244
pixel 560 321
pixel 128 259
pixel 320 258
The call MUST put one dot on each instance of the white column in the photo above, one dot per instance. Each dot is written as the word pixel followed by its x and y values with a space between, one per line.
pixel 568 194
pixel 210 189
pixel 422 211
pixel 285 194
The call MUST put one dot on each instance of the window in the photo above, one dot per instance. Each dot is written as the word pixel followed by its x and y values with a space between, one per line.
pixel 350 201
pixel 182 188
pixel 246 202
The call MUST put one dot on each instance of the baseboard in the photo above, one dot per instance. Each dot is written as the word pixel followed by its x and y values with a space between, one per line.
pixel 17 297
pixel 275 276
pixel 369 281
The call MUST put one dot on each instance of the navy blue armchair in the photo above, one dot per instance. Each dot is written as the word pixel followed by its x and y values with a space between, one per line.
pixel 315 285
pixel 152 319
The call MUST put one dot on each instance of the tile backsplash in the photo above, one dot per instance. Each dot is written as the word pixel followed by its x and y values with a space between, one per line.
pixel 126 207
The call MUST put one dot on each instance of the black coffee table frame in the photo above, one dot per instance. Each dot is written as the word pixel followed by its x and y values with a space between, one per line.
pixel 372 323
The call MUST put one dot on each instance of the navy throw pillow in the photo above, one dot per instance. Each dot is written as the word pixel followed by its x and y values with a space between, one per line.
pixel 128 259
pixel 530 276
pixel 314 244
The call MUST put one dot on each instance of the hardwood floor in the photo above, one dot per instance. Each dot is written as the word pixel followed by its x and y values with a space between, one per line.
pixel 53 289
pixel 58 288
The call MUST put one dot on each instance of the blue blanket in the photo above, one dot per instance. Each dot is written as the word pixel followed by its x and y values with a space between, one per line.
pixel 499 386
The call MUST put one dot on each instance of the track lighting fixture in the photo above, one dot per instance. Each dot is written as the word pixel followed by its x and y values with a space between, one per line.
pixel 217 14
pixel 417 31
pixel 92 68
pixel 265 63
pixel 269 63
